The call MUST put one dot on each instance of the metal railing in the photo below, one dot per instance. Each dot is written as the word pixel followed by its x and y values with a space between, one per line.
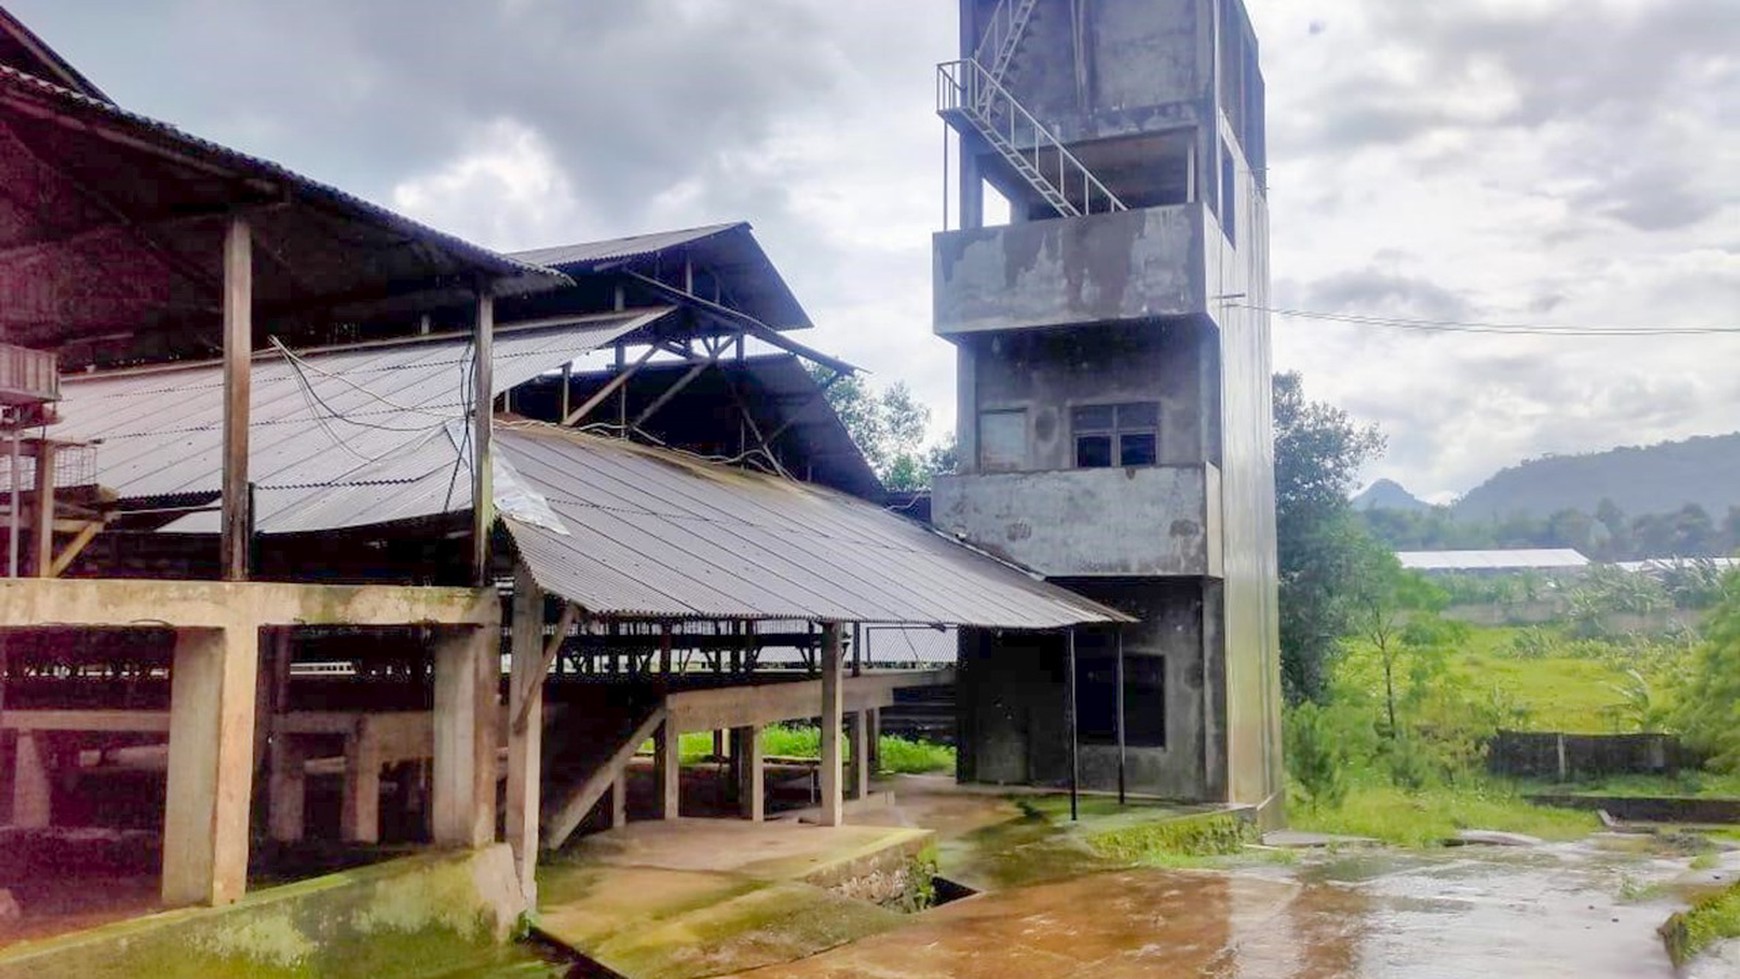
pixel 1003 35
pixel 966 90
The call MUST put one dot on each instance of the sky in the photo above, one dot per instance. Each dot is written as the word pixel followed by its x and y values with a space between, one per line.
pixel 1566 162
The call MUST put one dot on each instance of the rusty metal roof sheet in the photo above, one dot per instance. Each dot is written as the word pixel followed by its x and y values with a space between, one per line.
pixel 339 437
pixel 658 534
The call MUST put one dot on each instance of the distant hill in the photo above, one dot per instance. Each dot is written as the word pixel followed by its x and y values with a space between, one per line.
pixel 1388 494
pixel 1652 479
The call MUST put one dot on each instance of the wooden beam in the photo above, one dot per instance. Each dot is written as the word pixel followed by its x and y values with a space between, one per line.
pixel 675 389
pixel 238 306
pixel 482 452
pixel 128 721
pixel 532 680
pixel 132 602
pixel 42 559
pixel 598 397
pixel 74 548
pixel 530 661
pixel 832 711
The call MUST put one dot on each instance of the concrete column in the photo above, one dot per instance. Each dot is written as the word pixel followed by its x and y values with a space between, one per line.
pixel 752 784
pixel 668 762
pixel 360 808
pixel 32 790
pixel 873 734
pixel 619 799
pixel 462 789
pixel 833 704
pixel 856 731
pixel 288 789
pixel 525 727
pixel 211 772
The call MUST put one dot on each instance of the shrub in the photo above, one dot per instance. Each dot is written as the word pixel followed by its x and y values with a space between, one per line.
pixel 1316 759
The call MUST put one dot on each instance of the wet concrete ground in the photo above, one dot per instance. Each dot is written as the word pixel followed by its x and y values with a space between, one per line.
pixel 1587 910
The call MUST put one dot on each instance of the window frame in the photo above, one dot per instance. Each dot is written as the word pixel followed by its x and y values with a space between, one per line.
pixel 1115 433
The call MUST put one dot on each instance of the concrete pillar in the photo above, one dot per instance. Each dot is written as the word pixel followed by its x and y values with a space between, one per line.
pixel 211 772
pixel 32 790
pixel 833 704
pixel 752 781
pixel 288 789
pixel 873 734
pixel 360 808
pixel 462 789
pixel 668 763
pixel 619 799
pixel 525 727
pixel 857 731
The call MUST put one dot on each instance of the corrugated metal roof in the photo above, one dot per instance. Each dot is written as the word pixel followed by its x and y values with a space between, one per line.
pixel 659 534
pixel 351 436
pixel 1492 560
pixel 590 253
pixel 477 256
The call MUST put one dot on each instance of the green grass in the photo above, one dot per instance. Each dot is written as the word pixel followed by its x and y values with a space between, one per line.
pixel 1432 815
pixel 1710 920
pixel 1687 784
pixel 899 755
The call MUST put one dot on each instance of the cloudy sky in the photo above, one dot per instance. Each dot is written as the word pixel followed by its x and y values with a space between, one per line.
pixel 1570 162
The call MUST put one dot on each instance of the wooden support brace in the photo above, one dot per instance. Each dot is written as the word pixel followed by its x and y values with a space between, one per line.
pixel 525 681
pixel 832 711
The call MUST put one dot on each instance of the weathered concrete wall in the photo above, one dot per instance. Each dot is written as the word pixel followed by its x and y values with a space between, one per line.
pixel 1138 521
pixel 1010 697
pixel 1128 265
pixel 416 916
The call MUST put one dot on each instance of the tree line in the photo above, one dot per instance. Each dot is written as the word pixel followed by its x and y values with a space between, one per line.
pixel 1608 534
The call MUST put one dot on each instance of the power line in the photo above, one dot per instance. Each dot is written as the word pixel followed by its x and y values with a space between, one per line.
pixel 1516 329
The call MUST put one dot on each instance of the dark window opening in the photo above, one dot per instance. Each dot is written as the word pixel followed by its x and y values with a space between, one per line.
pixel 1116 435
pixel 1229 218
pixel 1144 699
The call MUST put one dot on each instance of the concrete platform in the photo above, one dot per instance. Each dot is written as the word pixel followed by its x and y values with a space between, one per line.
pixel 694 897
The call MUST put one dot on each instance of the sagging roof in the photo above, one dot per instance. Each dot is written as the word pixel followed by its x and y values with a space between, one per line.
pixel 343 437
pixel 723 255
pixel 22 49
pixel 128 216
pixel 626 530
pixel 1521 558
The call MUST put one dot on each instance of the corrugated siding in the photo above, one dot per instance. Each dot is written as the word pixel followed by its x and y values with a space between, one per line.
pixel 660 534
pixel 617 249
pixel 372 421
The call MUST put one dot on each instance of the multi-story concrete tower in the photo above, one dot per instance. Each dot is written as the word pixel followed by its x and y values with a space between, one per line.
pixel 1114 388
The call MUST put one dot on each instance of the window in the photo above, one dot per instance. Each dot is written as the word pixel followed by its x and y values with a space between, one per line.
pixel 1116 435
pixel 1003 441
pixel 1229 218
pixel 1096 692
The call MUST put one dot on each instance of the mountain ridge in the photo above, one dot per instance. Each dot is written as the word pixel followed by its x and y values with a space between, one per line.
pixel 1657 478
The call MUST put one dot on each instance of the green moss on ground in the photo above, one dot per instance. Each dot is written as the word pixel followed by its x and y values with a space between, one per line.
pixel 1691 931
pixel 1432 815
pixel 1192 836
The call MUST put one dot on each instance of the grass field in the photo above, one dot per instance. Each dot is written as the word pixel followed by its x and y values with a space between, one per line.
pixel 1433 815
pixel 899 755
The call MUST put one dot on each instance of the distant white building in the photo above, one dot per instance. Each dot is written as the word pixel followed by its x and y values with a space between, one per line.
pixel 1548 560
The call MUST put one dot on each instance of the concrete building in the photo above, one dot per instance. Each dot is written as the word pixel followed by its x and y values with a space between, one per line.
pixel 1113 390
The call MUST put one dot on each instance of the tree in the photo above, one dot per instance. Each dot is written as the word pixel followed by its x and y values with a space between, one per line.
pixel 1318 453
pixel 1395 610
pixel 889 427
pixel 1708 701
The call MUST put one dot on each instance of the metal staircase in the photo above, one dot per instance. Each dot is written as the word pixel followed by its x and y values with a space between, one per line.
pixel 1003 35
pixel 972 100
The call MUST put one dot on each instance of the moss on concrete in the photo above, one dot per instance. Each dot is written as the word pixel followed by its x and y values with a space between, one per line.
pixel 419 916
pixel 1217 834
pixel 1691 931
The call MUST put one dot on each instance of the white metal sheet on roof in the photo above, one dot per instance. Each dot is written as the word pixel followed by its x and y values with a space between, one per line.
pixel 349 436
pixel 658 534
pixel 615 249
pixel 1492 560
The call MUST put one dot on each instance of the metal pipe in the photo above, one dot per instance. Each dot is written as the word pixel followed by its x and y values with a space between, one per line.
pixel 1074 755
pixel 1119 684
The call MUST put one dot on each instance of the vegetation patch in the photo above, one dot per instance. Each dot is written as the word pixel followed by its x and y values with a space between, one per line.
pixel 1220 834
pixel 1691 931
pixel 1430 815
pixel 901 756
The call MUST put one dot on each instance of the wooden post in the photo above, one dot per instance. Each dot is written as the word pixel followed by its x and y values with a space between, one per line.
pixel 833 703
pixel 668 763
pixel 858 730
pixel 525 740
pixel 32 790
pixel 482 451
pixel 1070 724
pixel 360 805
pixel 873 735
pixel 752 785
pixel 287 791
pixel 1118 684
pixel 42 563
pixel 238 307
pixel 211 772
pixel 462 804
